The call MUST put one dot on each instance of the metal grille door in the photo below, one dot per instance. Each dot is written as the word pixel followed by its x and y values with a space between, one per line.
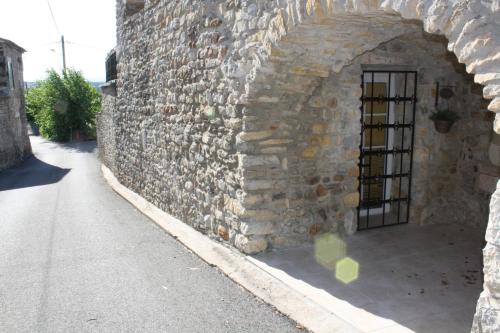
pixel 386 151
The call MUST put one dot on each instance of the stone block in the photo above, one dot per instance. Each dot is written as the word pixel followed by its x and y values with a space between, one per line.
pixel 260 215
pixel 353 172
pixel 486 78
pixel 274 150
pixel 316 102
pixel 318 70
pixel 350 225
pixel 351 200
pixel 234 206
pixel 493 230
pixel 421 155
pixel 284 163
pixel 332 103
pixel 321 190
pixel 495 105
pixel 256 185
pixel 313 180
pixel 255 136
pixel 496 123
pixel 251 161
pixel 252 200
pixel 352 154
pixel 487 179
pixel 326 141
pixel 319 128
pixel 310 152
pixel 315 229
pixel 285 241
pixel 223 232
pixel 250 245
pixel 275 142
pixel 491 91
pixel 257 228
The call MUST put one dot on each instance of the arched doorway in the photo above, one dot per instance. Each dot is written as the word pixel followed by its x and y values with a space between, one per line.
pixel 301 141
pixel 300 148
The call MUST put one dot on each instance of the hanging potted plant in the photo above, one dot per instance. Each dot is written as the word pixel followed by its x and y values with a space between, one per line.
pixel 443 119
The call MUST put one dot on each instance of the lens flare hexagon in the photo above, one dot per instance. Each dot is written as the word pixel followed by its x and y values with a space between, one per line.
pixel 328 250
pixel 347 270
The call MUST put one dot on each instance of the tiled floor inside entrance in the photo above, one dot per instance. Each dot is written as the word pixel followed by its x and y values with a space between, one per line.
pixel 420 278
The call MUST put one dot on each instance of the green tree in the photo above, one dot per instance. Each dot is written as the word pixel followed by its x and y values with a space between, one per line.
pixel 62 104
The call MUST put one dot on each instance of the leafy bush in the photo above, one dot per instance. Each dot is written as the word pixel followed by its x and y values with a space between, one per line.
pixel 62 104
pixel 444 114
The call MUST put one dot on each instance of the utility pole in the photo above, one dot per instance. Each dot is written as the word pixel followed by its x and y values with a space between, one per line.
pixel 63 53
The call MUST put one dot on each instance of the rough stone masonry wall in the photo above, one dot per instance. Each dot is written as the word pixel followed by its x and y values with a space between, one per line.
pixel 176 121
pixel 470 28
pixel 301 156
pixel 197 77
pixel 14 141
pixel 487 318
pixel 288 129
pixel 192 95
pixel 106 126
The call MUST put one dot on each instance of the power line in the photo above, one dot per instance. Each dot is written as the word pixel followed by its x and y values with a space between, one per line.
pixel 53 18
pixel 41 45
pixel 44 50
pixel 87 46
pixel 62 36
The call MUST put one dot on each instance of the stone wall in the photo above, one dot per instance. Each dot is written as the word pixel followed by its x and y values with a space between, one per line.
pixel 209 95
pixel 487 318
pixel 106 126
pixel 176 122
pixel 14 141
pixel 221 121
pixel 300 163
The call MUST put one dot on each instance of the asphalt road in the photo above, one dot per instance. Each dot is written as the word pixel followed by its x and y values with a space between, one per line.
pixel 76 257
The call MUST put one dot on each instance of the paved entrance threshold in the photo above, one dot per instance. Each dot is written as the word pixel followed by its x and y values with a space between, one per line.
pixel 411 278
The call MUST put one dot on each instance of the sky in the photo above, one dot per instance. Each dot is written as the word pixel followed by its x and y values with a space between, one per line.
pixel 88 26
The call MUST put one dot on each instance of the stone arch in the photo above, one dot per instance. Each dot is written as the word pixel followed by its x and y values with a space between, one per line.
pixel 289 125
pixel 469 27
pixel 291 63
pixel 306 42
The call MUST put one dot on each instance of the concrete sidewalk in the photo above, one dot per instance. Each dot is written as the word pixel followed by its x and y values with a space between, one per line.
pixel 409 280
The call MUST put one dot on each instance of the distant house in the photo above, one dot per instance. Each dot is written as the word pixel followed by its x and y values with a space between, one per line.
pixel 14 141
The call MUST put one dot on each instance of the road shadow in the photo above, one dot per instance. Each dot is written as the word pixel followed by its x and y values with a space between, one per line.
pixel 32 172
pixel 80 146
pixel 88 147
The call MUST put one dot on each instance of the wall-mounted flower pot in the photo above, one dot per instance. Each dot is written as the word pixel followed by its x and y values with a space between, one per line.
pixel 443 126
pixel 443 119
